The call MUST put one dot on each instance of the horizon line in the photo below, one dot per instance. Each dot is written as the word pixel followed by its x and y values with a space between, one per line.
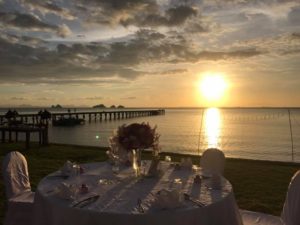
pixel 153 107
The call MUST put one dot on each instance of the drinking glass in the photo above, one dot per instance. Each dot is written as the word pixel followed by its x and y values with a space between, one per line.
pixel 168 158
pixel 177 184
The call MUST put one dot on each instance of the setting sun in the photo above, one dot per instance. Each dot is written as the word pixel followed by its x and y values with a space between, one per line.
pixel 213 87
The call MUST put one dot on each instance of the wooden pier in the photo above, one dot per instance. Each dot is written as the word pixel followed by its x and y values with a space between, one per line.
pixel 27 129
pixel 89 116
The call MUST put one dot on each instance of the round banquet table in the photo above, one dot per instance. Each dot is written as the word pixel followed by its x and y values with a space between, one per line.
pixel 119 194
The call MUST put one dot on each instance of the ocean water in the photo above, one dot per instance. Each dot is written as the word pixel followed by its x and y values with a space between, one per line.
pixel 263 134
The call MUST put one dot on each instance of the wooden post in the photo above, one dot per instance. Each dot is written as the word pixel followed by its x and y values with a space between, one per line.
pixel 45 135
pixel 3 136
pixel 291 132
pixel 27 140
pixel 16 136
pixel 9 136
pixel 40 137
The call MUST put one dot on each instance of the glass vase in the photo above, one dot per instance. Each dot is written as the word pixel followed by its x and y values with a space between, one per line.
pixel 137 161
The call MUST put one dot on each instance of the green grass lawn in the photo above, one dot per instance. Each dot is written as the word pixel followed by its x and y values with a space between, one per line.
pixel 258 185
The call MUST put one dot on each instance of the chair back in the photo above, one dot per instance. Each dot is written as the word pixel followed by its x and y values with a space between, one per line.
pixel 15 174
pixel 290 212
pixel 213 160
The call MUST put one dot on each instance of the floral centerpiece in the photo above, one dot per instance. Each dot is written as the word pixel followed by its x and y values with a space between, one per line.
pixel 132 139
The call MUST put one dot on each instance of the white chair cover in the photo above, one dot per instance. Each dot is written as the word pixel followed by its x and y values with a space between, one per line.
pixel 290 213
pixel 18 190
pixel 256 218
pixel 291 209
pixel 213 159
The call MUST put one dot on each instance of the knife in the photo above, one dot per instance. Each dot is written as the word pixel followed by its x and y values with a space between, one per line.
pixel 86 201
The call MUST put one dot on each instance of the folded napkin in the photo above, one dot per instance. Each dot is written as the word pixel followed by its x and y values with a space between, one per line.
pixel 70 169
pixel 168 199
pixel 67 168
pixel 66 191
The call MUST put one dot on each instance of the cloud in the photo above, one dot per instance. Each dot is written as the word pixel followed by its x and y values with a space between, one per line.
pixel 17 98
pixel 97 63
pixel 294 16
pixel 64 31
pixel 44 99
pixel 296 36
pixel 173 16
pixel 47 7
pixel 24 40
pixel 129 98
pixel 112 12
pixel 173 71
pixel 94 98
pixel 239 54
pixel 172 33
pixel 291 52
pixel 24 21
pixel 29 22
pixel 142 14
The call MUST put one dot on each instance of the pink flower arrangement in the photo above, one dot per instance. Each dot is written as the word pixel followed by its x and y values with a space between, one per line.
pixel 136 136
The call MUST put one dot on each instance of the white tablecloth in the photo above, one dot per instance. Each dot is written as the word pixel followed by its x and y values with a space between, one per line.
pixel 117 204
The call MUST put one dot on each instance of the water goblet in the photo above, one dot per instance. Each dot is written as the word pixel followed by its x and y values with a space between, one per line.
pixel 177 187
pixel 168 158
pixel 177 184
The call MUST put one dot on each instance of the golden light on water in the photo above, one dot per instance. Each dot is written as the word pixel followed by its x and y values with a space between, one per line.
pixel 212 125
pixel 213 87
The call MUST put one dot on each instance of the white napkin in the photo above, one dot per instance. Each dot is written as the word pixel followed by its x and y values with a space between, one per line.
pixel 67 168
pixel 168 199
pixel 66 191
pixel 70 169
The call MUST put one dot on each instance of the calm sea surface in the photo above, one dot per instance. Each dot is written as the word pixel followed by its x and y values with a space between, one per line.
pixel 241 133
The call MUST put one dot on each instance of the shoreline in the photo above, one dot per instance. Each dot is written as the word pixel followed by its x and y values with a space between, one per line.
pixel 103 148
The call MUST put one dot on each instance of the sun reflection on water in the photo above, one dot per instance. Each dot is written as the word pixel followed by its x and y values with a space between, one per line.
pixel 212 125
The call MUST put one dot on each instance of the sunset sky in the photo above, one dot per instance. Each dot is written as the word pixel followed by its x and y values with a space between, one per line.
pixel 147 53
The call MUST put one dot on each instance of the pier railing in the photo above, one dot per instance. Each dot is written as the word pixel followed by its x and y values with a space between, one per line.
pixel 89 116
